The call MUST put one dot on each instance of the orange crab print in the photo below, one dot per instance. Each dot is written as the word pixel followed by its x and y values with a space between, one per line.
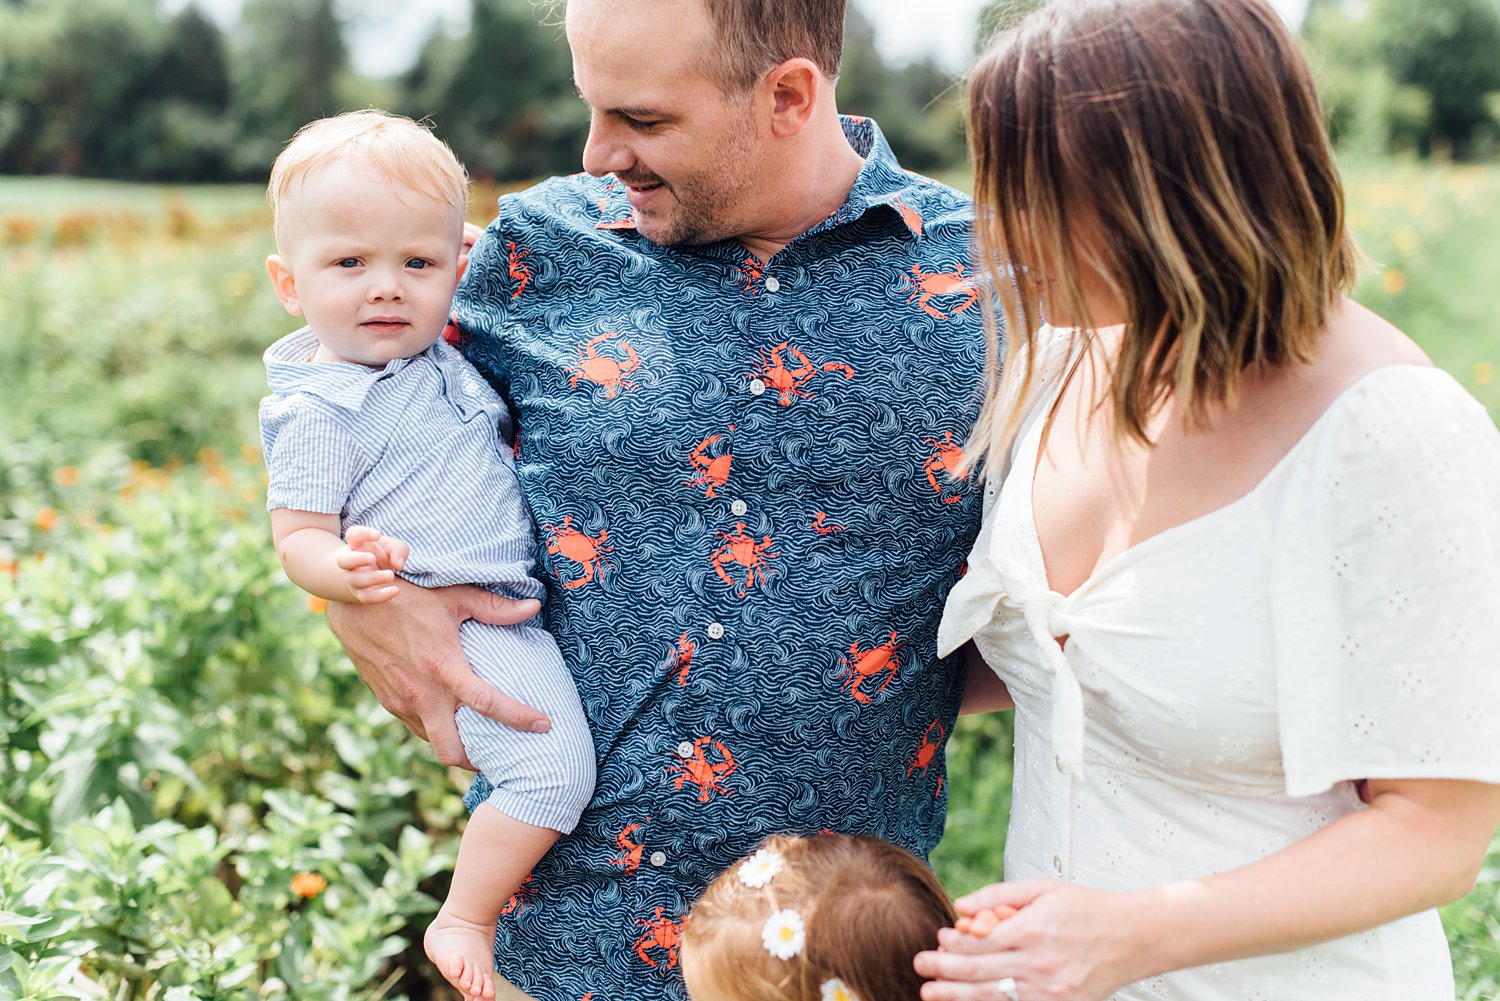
pixel 707 775
pixel 863 664
pixel 747 275
pixel 601 369
pixel 788 382
pixel 821 525
pixel 713 471
pixel 519 271
pixel 631 857
pixel 908 215
pixel 924 285
pixel 626 223
pixel 579 547
pixel 947 458
pixel 742 550
pixel 661 933
pixel 680 658
pixel 524 895
pixel 926 749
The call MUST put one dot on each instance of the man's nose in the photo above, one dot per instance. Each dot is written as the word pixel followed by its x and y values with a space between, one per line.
pixel 605 151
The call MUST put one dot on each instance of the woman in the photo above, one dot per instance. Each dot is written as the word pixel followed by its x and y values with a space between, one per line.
pixel 1240 571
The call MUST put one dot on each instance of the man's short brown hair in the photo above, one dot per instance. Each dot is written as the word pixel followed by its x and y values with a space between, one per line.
pixel 755 35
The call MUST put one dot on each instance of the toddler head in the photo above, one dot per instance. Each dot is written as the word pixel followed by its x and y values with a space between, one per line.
pixel 369 214
pixel 835 917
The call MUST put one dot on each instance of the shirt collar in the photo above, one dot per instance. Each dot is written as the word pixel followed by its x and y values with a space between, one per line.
pixel 290 369
pixel 880 183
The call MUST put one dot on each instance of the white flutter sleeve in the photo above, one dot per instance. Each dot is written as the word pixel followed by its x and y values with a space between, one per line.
pixel 1386 588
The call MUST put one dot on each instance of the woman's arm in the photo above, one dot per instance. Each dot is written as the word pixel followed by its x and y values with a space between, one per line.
pixel 1420 844
pixel 984 692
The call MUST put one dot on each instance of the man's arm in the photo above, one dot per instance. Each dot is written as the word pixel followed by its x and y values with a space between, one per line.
pixel 407 650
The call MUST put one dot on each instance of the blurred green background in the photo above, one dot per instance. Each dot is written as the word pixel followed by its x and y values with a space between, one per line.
pixel 198 797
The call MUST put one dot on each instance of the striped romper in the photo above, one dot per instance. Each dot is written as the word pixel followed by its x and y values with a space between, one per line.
pixel 417 450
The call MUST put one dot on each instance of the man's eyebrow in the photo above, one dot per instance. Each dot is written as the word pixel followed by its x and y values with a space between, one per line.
pixel 628 112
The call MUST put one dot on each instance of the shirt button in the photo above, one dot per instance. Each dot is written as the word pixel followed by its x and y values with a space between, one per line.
pixel 739 507
pixel 1057 864
pixel 757 387
pixel 658 859
pixel 685 749
pixel 1061 768
pixel 772 285
pixel 715 631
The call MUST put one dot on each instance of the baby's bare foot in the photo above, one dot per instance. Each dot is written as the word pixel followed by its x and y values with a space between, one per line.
pixel 464 953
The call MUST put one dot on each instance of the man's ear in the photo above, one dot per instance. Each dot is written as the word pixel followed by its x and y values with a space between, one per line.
pixel 285 284
pixel 796 86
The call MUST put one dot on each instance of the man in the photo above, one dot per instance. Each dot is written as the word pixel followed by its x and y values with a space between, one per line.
pixel 741 352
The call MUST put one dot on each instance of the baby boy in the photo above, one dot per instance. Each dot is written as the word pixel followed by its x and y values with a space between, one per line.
pixel 386 452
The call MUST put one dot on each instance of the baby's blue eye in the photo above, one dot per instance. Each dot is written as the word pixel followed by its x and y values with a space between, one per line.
pixel 418 264
pixel 349 262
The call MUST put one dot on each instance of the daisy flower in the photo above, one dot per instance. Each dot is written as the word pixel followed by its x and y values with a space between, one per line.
pixel 835 989
pixel 783 934
pixel 757 870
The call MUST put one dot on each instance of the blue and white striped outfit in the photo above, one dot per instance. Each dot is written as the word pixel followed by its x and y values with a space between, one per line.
pixel 417 450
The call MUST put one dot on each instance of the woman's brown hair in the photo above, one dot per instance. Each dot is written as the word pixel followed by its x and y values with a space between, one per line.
pixel 1177 148
pixel 867 908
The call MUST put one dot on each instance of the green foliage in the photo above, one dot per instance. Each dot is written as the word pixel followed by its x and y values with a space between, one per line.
pixel 1394 75
pixel 526 121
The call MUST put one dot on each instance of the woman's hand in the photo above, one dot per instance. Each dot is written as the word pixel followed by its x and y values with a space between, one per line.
pixel 1063 943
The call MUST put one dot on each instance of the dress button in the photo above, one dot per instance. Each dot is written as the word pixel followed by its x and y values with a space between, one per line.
pixel 739 507
pixel 1057 864
pixel 1061 768
pixel 715 630
pixel 757 387
pixel 772 285
pixel 685 749
pixel 658 859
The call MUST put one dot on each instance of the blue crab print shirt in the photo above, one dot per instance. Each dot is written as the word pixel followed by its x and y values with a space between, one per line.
pixel 747 482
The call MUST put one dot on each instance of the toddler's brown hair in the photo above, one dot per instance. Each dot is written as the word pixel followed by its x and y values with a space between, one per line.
pixel 833 917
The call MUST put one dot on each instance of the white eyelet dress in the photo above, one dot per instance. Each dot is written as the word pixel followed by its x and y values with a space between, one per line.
pixel 1224 683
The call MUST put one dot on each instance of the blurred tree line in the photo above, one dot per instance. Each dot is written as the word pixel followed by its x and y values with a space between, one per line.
pixel 125 89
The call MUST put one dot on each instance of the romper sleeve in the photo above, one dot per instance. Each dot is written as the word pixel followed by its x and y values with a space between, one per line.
pixel 1385 588
pixel 312 458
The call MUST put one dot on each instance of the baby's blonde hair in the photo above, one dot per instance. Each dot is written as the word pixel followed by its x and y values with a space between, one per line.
pixel 403 150
pixel 866 905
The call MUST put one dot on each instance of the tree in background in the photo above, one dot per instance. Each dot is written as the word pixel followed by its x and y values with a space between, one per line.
pixel 1451 50
pixel 287 61
pixel 502 96
pixel 70 73
pixel 917 105
pixel 1397 74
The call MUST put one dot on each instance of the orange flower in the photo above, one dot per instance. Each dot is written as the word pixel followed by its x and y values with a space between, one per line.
pixel 65 476
pixel 46 519
pixel 317 605
pixel 308 885
pixel 1392 280
pixel 250 455
pixel 11 567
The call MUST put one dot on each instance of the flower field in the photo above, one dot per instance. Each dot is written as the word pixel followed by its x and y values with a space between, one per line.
pixel 199 799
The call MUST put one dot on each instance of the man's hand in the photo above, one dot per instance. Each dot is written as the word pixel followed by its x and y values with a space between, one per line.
pixel 407 650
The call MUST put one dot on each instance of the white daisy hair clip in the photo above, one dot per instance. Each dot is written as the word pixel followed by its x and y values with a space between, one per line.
pixel 783 934
pixel 757 870
pixel 835 989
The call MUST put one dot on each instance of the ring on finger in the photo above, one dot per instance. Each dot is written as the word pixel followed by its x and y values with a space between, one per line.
pixel 1007 988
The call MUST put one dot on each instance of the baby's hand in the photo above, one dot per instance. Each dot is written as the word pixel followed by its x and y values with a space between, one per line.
pixel 982 922
pixel 370 560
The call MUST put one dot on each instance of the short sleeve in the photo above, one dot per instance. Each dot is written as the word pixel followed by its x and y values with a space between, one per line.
pixel 1386 588
pixel 312 459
